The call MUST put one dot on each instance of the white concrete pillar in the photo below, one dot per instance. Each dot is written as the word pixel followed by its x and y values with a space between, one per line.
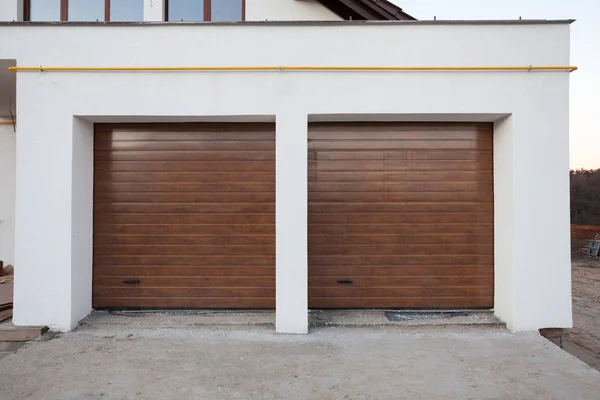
pixel 154 10
pixel 82 219
pixel 504 235
pixel 43 226
pixel 292 223
pixel 11 10
pixel 7 190
pixel 532 231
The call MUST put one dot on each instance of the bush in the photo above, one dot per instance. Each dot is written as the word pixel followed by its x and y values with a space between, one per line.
pixel 585 197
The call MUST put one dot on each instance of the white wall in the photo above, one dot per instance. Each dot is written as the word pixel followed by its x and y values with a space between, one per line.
pixel 288 10
pixel 531 156
pixel 82 196
pixel 292 222
pixel 11 10
pixel 7 192
pixel 154 10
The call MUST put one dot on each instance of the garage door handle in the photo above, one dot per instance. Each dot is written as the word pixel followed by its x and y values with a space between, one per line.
pixel 345 282
pixel 131 281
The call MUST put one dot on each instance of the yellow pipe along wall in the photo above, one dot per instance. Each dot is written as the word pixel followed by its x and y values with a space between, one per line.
pixel 291 68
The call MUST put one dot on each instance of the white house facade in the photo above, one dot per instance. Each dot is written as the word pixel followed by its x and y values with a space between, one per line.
pixel 293 161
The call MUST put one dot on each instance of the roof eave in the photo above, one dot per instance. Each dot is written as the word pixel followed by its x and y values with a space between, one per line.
pixel 371 10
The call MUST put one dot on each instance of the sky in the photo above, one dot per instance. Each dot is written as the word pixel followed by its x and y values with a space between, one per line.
pixel 585 53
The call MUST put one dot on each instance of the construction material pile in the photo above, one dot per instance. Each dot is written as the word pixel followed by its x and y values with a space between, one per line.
pixel 6 291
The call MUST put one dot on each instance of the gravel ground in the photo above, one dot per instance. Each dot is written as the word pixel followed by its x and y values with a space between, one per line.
pixel 136 358
pixel 586 305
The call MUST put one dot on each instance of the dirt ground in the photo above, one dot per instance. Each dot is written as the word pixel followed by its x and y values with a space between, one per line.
pixel 586 303
pixel 133 358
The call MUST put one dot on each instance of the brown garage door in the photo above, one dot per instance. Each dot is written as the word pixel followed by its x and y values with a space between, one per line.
pixel 184 216
pixel 400 215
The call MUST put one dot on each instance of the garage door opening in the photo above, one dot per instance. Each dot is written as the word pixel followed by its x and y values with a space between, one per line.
pixel 184 216
pixel 401 215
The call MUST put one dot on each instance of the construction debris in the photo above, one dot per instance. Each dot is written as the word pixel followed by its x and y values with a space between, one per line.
pixel 594 248
pixel 6 292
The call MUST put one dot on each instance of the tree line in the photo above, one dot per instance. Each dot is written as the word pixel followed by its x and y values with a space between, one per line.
pixel 585 196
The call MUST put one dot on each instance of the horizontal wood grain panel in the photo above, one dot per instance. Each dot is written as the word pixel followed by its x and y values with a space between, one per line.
pixel 108 136
pixel 395 186
pixel 413 156
pixel 393 134
pixel 401 281
pixel 390 166
pixel 149 176
pixel 106 166
pixel 182 197
pixel 184 302
pixel 412 259
pixel 444 290
pixel 399 218
pixel 166 129
pixel 400 249
pixel 434 196
pixel 185 291
pixel 177 229
pixel 402 213
pixel 185 155
pixel 397 239
pixel 185 208
pixel 399 229
pixel 184 250
pixel 187 281
pixel 402 270
pixel 183 219
pixel 186 260
pixel 402 207
pixel 158 270
pixel 401 302
pixel 319 128
pixel 184 239
pixel 402 176
pixel 175 187
pixel 184 216
pixel 400 144
pixel 142 146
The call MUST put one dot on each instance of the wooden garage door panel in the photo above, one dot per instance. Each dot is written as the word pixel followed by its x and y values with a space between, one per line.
pixel 188 212
pixel 402 211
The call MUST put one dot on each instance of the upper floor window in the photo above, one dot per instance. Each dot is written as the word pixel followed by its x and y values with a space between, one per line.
pixel 42 10
pixel 205 10
pixel 84 10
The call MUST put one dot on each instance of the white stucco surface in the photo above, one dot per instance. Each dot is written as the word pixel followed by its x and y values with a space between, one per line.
pixel 11 10
pixel 7 192
pixel 54 154
pixel 292 222
pixel 288 10
pixel 154 10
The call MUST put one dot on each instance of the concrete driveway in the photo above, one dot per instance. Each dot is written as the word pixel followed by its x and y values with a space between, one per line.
pixel 183 358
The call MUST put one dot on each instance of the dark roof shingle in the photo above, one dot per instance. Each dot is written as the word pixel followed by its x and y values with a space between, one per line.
pixel 375 10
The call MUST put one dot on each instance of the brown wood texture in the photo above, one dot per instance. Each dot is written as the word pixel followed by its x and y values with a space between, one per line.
pixel 185 215
pixel 21 333
pixel 401 215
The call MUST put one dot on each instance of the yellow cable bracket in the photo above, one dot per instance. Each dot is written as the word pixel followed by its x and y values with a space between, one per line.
pixel 281 68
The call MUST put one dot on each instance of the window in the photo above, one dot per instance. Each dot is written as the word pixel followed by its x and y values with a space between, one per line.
pixel 185 10
pixel 205 10
pixel 84 10
pixel 126 10
pixel 43 10
pixel 226 10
